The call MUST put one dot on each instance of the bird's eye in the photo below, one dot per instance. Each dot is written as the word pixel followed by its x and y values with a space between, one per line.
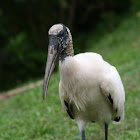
pixel 60 34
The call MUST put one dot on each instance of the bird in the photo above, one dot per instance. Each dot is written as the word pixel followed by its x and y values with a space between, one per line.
pixel 90 89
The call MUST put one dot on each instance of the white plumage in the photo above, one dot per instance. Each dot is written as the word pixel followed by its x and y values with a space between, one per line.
pixel 86 82
pixel 90 89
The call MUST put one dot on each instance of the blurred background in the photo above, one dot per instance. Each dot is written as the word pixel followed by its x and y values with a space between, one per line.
pixel 24 25
pixel 108 27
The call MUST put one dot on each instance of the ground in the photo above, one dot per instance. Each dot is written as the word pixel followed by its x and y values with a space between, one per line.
pixel 26 116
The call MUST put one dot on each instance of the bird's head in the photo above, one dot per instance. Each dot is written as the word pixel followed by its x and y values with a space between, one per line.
pixel 58 42
pixel 58 37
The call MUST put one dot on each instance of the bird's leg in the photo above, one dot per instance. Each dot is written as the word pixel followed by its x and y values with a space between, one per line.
pixel 106 131
pixel 83 134
pixel 82 125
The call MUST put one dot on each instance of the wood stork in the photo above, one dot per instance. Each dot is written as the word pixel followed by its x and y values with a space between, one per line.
pixel 90 89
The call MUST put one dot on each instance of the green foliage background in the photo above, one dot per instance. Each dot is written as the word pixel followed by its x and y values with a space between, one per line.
pixel 108 27
pixel 24 25
pixel 26 117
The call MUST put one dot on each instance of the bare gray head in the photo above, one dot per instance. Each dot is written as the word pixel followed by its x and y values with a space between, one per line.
pixel 55 29
pixel 59 36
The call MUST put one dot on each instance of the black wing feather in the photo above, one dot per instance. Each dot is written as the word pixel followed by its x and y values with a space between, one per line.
pixel 68 110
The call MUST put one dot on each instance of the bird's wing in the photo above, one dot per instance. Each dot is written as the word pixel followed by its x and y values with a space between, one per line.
pixel 112 87
pixel 68 109
pixel 65 101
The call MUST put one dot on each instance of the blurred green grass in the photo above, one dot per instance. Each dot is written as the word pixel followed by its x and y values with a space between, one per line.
pixel 25 116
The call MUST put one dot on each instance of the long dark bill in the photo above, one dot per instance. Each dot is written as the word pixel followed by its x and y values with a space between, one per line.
pixel 52 58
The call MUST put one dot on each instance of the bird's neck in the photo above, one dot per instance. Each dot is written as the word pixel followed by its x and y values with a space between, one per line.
pixel 68 51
